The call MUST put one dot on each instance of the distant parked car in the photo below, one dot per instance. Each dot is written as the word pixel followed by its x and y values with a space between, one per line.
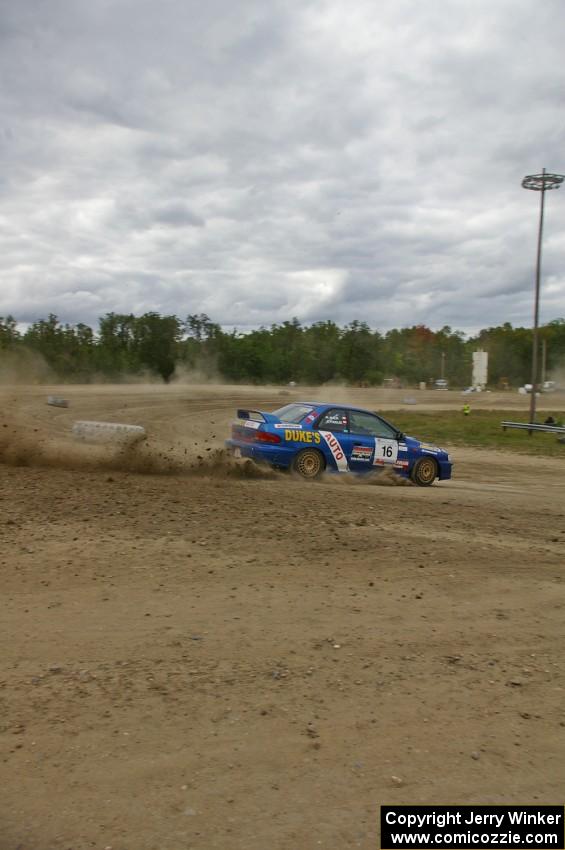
pixel 546 387
pixel 441 384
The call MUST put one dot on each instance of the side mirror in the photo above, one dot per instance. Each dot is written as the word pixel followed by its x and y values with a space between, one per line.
pixel 400 436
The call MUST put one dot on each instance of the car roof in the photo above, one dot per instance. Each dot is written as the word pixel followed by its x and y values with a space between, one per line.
pixel 319 405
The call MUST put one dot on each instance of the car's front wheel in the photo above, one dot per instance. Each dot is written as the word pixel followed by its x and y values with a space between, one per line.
pixel 424 471
pixel 309 463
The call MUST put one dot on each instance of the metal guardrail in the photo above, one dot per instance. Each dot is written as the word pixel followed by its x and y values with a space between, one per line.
pixel 532 426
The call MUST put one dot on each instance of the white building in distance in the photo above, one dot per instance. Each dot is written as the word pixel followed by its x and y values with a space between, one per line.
pixel 480 368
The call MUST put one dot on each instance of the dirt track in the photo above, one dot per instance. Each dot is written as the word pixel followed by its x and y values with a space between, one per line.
pixel 202 660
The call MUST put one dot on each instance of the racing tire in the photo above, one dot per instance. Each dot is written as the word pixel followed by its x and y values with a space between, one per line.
pixel 309 464
pixel 424 472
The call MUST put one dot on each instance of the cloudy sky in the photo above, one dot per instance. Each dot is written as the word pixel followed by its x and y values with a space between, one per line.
pixel 263 159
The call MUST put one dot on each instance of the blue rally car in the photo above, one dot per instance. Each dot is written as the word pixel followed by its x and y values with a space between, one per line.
pixel 310 437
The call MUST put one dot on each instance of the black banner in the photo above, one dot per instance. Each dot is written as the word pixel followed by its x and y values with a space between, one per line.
pixel 479 827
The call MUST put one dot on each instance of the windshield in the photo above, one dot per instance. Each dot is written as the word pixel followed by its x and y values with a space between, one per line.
pixel 293 412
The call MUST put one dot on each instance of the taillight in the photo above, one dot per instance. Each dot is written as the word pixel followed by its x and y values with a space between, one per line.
pixel 266 437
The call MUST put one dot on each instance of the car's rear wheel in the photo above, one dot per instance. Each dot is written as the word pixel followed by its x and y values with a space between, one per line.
pixel 424 471
pixel 309 463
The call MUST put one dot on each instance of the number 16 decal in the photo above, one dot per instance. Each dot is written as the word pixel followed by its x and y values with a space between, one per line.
pixel 386 451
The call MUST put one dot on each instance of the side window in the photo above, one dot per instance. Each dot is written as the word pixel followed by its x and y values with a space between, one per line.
pixel 334 420
pixel 372 426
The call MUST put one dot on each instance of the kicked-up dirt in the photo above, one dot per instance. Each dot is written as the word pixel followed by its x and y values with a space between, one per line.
pixel 199 655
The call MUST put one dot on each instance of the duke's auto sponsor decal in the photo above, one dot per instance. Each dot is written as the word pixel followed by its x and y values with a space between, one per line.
pixel 336 450
pixel 362 453
pixel 293 436
pixel 386 451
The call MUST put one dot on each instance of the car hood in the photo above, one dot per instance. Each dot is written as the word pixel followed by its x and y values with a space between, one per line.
pixel 426 448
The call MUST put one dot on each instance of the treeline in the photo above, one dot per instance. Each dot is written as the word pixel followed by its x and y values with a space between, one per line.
pixel 126 346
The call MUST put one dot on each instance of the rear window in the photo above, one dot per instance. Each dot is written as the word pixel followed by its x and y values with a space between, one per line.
pixel 293 412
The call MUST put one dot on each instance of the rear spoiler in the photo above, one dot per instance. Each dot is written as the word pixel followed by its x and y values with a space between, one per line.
pixel 256 415
pixel 250 414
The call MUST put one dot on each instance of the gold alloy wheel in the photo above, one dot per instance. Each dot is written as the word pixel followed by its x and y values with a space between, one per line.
pixel 308 463
pixel 425 471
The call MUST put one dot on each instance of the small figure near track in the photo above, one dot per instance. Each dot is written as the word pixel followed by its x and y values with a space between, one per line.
pixel 466 409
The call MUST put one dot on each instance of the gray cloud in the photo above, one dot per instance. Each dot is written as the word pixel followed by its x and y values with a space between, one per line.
pixel 258 161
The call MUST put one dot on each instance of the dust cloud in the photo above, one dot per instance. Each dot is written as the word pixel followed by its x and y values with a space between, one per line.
pixel 558 375
pixel 376 478
pixel 26 449
pixel 24 367
pixel 205 371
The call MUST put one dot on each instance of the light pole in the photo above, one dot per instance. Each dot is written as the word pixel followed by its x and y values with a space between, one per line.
pixel 540 183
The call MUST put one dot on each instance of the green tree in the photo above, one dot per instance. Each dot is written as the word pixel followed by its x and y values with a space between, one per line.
pixel 9 334
pixel 358 354
pixel 115 348
pixel 155 342
pixel 320 353
pixel 509 350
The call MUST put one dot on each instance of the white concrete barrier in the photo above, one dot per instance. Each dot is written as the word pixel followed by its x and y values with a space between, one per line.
pixel 100 432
